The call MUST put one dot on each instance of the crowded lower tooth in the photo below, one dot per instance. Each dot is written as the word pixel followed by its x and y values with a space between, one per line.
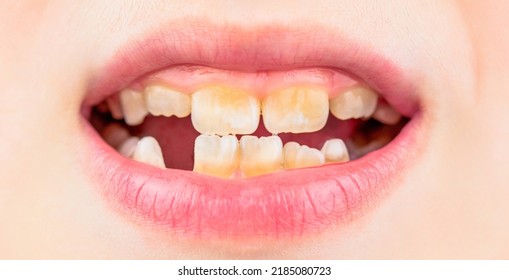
pixel 299 156
pixel 133 106
pixel 385 114
pixel 354 103
pixel 128 146
pixel 163 101
pixel 114 134
pixel 260 156
pixel 148 151
pixel 296 110
pixel 215 155
pixel 335 150
pixel 222 110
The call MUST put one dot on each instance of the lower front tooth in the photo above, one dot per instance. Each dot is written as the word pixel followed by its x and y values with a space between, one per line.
pixel 260 156
pixel 133 106
pixel 297 156
pixel 335 150
pixel 128 146
pixel 217 156
pixel 148 151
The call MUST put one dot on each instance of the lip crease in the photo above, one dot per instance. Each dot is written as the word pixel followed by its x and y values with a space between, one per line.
pixel 285 204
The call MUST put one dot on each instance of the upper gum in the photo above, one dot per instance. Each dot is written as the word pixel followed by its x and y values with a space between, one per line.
pixel 189 79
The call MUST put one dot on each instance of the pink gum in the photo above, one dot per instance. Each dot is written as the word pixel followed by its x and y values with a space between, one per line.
pixel 190 78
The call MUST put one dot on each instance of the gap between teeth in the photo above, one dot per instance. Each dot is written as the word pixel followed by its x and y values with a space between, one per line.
pixel 219 112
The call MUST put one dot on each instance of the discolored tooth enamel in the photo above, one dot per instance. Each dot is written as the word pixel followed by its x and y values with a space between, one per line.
pixel 114 134
pixel 222 110
pixel 296 110
pixel 299 156
pixel 163 101
pixel 215 155
pixel 260 156
pixel 385 114
pixel 128 146
pixel 148 151
pixel 113 103
pixel 334 150
pixel 355 103
pixel 133 106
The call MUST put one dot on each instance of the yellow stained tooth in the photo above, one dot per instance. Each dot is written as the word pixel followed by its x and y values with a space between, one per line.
pixel 222 110
pixel 296 110
pixel 133 106
pixel 260 156
pixel 355 103
pixel 334 150
pixel 163 101
pixel 300 156
pixel 217 156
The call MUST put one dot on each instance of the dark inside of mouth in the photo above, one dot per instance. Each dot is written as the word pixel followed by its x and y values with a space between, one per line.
pixel 176 136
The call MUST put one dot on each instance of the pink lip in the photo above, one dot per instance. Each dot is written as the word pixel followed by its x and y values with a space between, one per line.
pixel 290 203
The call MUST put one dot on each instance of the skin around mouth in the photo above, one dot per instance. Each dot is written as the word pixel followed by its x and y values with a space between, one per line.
pixel 289 203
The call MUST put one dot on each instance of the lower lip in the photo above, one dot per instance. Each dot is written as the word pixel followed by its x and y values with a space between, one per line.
pixel 285 204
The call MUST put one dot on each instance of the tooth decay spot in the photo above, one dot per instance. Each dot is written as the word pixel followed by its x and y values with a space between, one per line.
pixel 222 110
pixel 296 110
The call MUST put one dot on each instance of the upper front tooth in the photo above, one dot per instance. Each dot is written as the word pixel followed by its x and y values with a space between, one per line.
pixel 295 109
pixel 214 155
pixel 335 150
pixel 133 106
pixel 164 101
pixel 297 156
pixel 221 110
pixel 148 151
pixel 355 103
pixel 260 156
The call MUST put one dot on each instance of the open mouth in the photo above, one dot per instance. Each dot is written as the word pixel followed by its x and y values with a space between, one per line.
pixel 242 141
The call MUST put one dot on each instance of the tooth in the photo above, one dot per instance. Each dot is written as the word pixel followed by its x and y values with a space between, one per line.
pixel 355 103
pixel 335 150
pixel 223 111
pixel 115 134
pixel 113 103
pixel 217 156
pixel 133 106
pixel 297 156
pixel 128 146
pixel 148 151
pixel 163 101
pixel 260 156
pixel 385 114
pixel 296 110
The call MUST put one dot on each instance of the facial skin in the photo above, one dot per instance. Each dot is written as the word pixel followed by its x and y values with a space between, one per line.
pixel 452 203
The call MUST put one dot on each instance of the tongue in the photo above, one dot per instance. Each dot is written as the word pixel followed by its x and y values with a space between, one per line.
pixel 176 137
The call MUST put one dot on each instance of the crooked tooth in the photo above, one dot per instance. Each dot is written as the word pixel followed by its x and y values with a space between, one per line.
pixel 221 110
pixel 296 110
pixel 148 151
pixel 163 101
pixel 355 103
pixel 334 150
pixel 128 146
pixel 133 106
pixel 385 114
pixel 260 156
pixel 299 156
pixel 217 156
pixel 113 103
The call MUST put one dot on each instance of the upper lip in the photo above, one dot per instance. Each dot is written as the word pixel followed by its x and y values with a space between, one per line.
pixel 288 203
